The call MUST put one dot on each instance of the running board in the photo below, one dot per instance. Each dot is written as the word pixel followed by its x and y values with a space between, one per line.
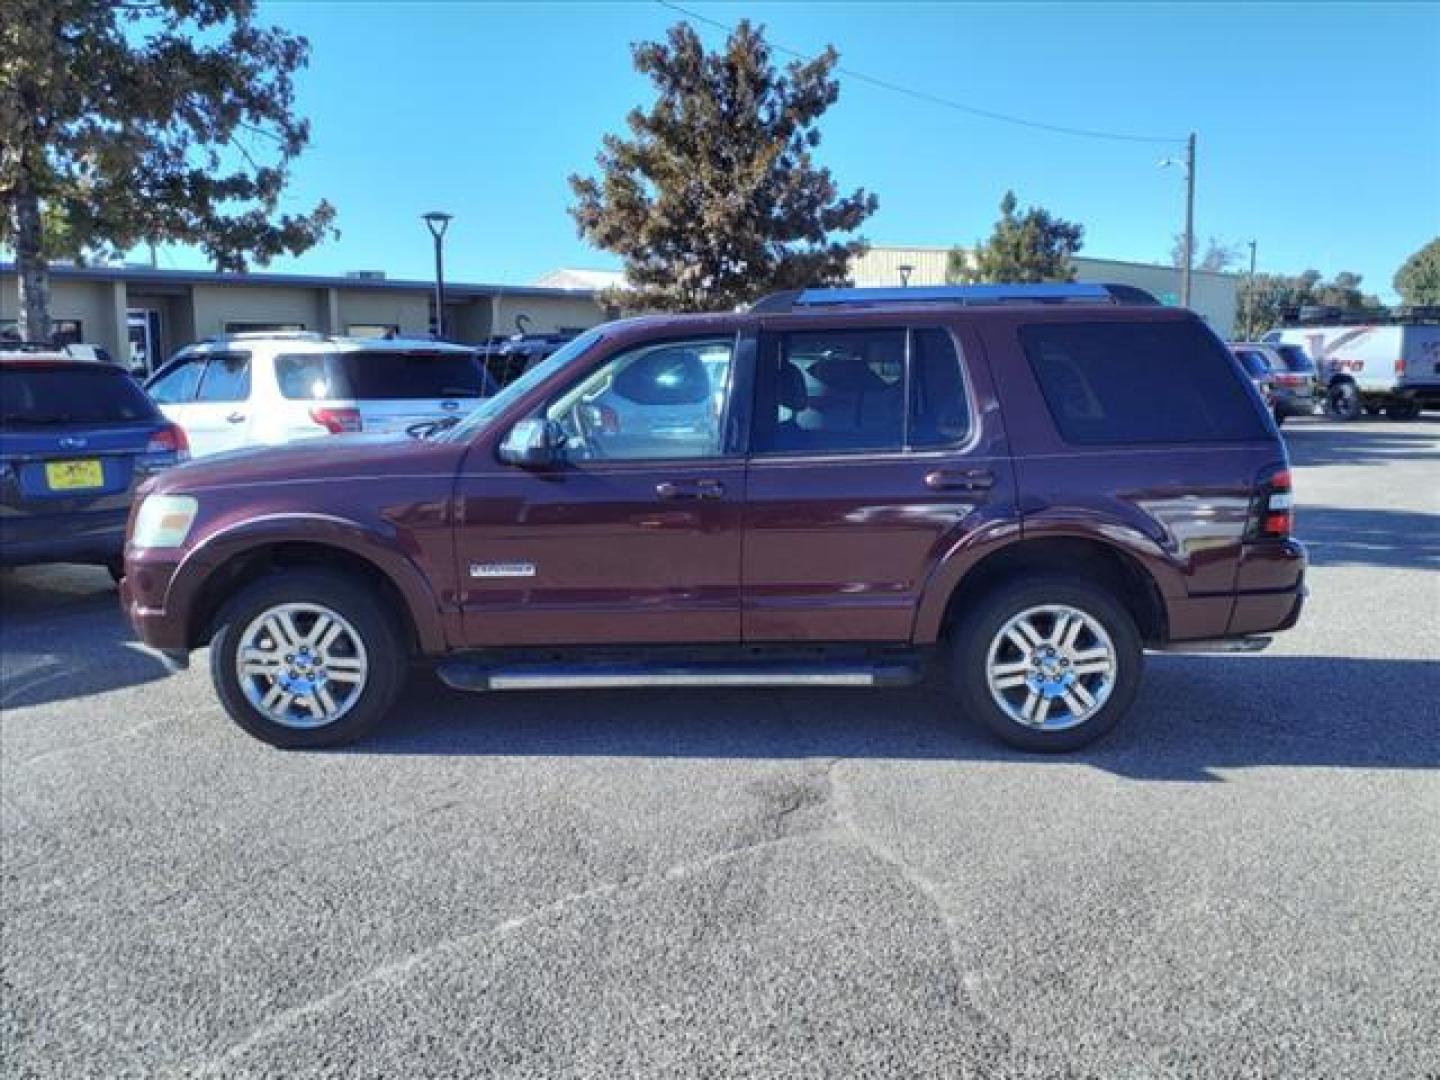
pixel 478 676
pixel 1215 645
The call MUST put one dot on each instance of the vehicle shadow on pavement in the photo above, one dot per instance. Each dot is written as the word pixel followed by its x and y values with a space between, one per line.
pixel 62 636
pixel 1363 442
pixel 1394 539
pixel 1196 718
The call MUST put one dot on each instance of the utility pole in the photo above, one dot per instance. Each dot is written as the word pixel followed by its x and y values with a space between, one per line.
pixel 1250 297
pixel 1189 220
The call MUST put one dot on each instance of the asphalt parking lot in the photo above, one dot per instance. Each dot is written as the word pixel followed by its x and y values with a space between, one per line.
pixel 1243 881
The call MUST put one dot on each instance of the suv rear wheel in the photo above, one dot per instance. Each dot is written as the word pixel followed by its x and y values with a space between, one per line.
pixel 307 659
pixel 1048 664
pixel 1343 401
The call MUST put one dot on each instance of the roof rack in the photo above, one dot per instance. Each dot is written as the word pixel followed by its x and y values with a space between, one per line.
pixel 962 295
pixel 260 335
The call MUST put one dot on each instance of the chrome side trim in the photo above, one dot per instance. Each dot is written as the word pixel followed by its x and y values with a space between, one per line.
pixel 1214 645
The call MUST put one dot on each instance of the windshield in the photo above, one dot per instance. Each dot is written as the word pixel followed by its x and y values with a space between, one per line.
pixel 482 414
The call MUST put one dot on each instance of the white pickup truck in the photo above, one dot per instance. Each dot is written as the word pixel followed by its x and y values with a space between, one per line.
pixel 1367 367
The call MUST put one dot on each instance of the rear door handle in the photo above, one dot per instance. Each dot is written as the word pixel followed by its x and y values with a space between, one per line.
pixel 690 489
pixel 235 418
pixel 960 480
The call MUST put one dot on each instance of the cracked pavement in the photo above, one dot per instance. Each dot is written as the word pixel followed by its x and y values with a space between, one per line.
pixel 1243 881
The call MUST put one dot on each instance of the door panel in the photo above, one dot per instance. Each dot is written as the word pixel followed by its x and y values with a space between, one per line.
pixel 635 538
pixel 839 545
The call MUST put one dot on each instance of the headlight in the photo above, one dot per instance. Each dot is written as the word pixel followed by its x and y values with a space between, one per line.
pixel 164 521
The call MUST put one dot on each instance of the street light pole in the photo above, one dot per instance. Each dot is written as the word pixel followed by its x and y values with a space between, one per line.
pixel 1189 219
pixel 1250 297
pixel 437 221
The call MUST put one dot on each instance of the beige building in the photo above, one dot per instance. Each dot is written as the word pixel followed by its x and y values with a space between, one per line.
pixel 142 315
pixel 1214 296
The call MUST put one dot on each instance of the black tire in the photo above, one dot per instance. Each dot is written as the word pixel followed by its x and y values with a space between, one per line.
pixel 1402 409
pixel 983 623
pixel 372 619
pixel 116 569
pixel 1279 418
pixel 1343 401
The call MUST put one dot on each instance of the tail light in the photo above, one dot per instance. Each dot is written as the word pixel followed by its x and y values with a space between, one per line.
pixel 1400 368
pixel 336 421
pixel 1290 379
pixel 1272 512
pixel 168 446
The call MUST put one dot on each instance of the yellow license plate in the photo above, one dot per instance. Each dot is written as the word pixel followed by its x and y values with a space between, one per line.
pixel 74 475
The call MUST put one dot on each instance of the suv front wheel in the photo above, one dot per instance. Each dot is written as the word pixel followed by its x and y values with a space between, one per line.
pixel 307 658
pixel 1048 664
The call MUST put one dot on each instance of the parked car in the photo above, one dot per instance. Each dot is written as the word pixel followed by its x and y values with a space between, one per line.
pixel 76 439
pixel 1372 366
pixel 270 388
pixel 1257 368
pixel 1029 484
pixel 1294 390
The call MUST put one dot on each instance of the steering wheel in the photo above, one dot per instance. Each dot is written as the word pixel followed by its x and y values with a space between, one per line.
pixel 586 441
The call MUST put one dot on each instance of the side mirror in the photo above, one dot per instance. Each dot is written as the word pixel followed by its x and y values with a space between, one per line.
pixel 533 444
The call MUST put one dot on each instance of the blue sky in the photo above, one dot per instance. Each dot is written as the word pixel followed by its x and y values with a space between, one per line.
pixel 1319 124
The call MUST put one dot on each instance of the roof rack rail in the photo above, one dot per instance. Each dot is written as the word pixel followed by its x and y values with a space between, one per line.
pixel 962 295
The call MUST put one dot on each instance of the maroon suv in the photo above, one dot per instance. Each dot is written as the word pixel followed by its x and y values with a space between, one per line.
pixel 836 487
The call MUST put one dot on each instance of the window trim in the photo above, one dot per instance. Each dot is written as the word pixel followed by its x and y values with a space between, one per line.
pixel 905 451
pixel 727 451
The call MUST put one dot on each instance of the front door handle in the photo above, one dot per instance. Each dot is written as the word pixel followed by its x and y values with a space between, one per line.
pixel 690 489
pixel 960 480
pixel 235 418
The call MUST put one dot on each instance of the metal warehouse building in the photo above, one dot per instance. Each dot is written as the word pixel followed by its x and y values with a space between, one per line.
pixel 143 315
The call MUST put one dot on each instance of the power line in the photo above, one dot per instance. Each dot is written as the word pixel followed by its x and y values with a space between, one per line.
pixel 936 99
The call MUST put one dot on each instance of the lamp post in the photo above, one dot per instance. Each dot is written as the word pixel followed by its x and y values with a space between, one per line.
pixel 437 221
pixel 905 271
pixel 1188 162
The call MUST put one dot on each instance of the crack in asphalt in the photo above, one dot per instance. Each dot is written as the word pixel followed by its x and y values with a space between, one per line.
pixel 398 970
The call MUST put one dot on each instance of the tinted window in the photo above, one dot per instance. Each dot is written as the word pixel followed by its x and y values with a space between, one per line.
pixel 179 383
pixel 78 395
pixel 939 407
pixel 1118 383
pixel 1295 358
pixel 657 401
pixel 376 375
pixel 832 391
pixel 227 378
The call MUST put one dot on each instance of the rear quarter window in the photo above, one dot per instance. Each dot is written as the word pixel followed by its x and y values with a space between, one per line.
pixel 37 396
pixel 1115 384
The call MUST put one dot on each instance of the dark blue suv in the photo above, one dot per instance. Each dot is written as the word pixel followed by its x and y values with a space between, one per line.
pixel 76 439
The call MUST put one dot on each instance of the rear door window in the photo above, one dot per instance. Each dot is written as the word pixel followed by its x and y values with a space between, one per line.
pixel 44 396
pixel 226 378
pixel 381 375
pixel 1112 384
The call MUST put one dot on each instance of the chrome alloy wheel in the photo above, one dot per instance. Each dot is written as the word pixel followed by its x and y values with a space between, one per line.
pixel 301 665
pixel 1051 667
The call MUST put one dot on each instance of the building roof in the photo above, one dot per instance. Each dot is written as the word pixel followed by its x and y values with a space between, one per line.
pixel 143 275
pixel 575 277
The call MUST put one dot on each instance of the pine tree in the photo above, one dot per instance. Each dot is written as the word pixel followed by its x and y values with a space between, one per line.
pixel 715 198
pixel 1025 248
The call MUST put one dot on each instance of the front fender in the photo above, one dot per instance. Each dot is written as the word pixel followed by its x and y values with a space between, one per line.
pixel 374 546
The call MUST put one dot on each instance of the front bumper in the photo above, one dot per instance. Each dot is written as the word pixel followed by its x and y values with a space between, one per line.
pixel 142 599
